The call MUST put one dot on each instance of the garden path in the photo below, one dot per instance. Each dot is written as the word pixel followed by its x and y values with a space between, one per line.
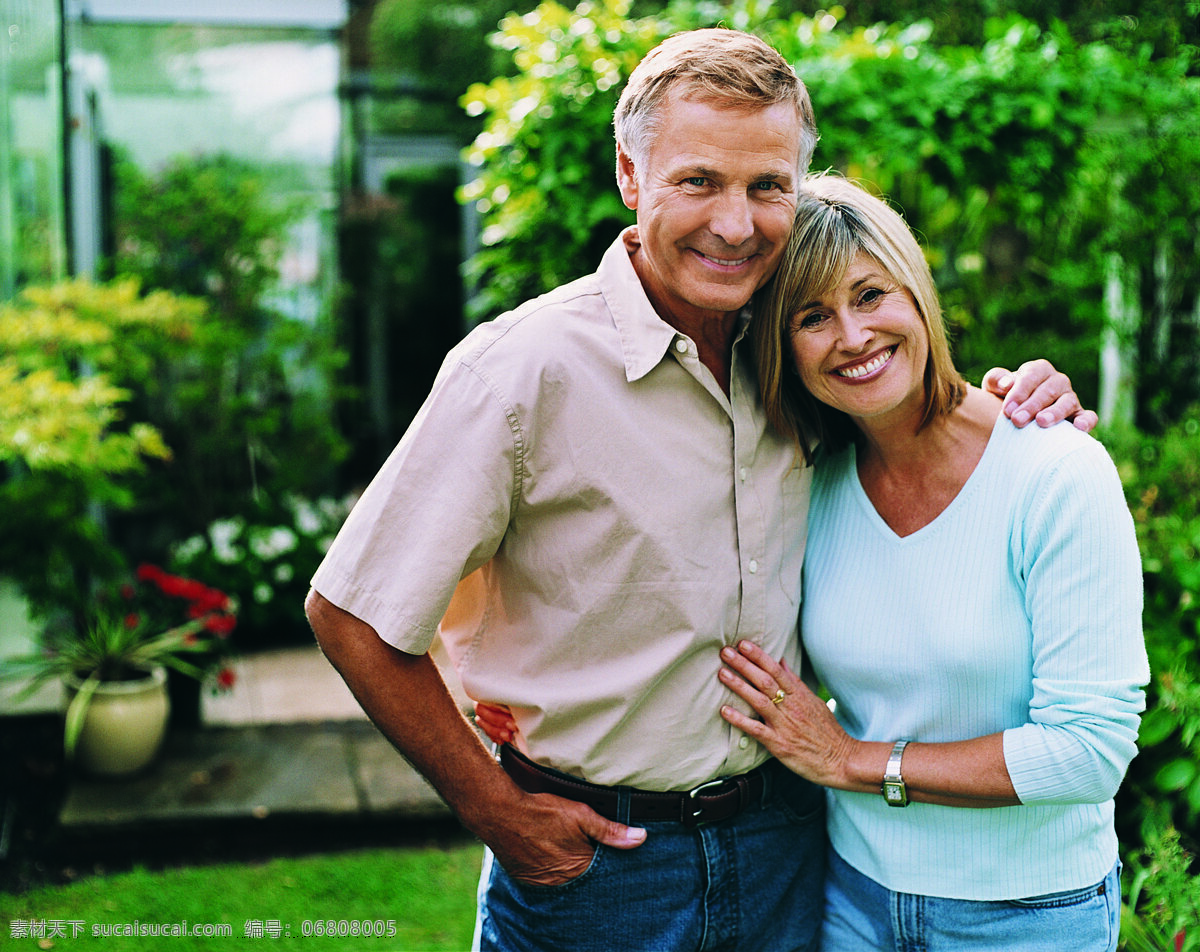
pixel 288 742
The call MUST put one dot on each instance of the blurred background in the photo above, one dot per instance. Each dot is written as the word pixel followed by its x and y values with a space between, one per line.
pixel 238 236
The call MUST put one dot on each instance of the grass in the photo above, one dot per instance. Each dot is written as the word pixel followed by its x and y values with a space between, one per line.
pixel 427 894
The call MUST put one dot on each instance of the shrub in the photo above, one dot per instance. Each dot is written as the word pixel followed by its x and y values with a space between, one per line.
pixel 73 354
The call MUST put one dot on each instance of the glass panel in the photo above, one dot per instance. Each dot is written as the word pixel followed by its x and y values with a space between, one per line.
pixel 31 236
pixel 264 95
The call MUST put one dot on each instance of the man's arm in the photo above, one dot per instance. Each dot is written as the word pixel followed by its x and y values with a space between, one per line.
pixel 1038 391
pixel 537 838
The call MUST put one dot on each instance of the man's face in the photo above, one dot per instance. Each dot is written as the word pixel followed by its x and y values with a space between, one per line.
pixel 715 200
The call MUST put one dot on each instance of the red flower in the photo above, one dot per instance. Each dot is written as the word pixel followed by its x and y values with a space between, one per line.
pixel 220 625
pixel 225 679
pixel 1179 937
pixel 149 573
pixel 132 620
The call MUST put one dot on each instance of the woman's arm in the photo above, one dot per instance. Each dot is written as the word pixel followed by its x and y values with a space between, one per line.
pixel 801 731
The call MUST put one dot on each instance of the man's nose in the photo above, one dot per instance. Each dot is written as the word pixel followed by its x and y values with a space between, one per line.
pixel 732 220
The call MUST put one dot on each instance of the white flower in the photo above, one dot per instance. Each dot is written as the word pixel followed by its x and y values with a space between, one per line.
pixel 224 533
pixel 271 543
pixel 189 549
pixel 263 593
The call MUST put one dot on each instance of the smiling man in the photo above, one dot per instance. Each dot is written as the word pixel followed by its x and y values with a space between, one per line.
pixel 592 499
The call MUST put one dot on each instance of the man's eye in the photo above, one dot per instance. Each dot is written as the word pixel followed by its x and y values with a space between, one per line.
pixel 766 186
pixel 699 181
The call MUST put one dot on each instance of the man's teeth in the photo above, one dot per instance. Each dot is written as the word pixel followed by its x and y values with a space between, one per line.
pixel 870 366
pixel 727 262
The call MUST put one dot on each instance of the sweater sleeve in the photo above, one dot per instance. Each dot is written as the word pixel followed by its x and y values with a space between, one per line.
pixel 1076 553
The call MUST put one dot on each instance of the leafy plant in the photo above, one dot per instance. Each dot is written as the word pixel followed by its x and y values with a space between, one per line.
pixel 1162 482
pixel 246 408
pixel 1161 909
pixel 67 447
pixel 1034 166
pixel 157 619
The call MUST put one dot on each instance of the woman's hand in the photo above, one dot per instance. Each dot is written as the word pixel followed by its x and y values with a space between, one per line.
pixel 794 724
pixel 496 721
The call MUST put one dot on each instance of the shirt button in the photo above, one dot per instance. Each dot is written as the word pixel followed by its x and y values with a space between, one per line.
pixel 681 346
pixel 742 474
pixel 753 566
pixel 743 742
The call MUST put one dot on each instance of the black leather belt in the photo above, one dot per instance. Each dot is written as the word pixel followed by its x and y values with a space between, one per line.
pixel 708 803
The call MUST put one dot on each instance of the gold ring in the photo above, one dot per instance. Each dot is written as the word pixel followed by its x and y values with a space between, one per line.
pixel 779 696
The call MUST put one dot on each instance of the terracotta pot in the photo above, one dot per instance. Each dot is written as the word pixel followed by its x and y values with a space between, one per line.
pixel 124 725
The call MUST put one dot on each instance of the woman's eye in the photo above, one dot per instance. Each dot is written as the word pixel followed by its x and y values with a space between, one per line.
pixel 808 321
pixel 870 296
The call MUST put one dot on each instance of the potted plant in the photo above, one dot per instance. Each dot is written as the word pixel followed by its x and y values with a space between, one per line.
pixel 113 663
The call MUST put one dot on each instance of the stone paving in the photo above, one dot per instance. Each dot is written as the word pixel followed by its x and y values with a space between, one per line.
pixel 289 741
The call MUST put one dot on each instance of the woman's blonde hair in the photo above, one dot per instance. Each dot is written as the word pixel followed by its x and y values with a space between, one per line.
pixel 835 222
pixel 718 66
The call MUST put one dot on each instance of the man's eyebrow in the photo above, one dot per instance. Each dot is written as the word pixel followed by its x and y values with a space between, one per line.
pixel 698 171
pixel 703 171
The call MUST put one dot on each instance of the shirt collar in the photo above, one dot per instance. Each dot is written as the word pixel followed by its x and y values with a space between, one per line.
pixel 644 335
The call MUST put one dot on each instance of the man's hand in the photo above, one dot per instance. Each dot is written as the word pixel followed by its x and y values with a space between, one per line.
pixel 1038 391
pixel 554 841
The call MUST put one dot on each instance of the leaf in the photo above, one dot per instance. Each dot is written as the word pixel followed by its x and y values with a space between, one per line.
pixel 1157 725
pixel 1175 775
pixel 77 714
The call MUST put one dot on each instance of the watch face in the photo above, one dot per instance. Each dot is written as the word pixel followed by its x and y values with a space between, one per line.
pixel 894 793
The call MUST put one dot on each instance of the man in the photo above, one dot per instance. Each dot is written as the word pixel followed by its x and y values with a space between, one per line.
pixel 597 468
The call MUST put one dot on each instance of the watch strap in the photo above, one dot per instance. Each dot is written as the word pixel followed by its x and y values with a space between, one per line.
pixel 894 790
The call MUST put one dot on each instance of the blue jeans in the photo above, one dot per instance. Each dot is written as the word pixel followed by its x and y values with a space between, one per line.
pixel 861 915
pixel 753 882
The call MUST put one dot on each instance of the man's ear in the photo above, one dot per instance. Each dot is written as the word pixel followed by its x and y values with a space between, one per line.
pixel 626 178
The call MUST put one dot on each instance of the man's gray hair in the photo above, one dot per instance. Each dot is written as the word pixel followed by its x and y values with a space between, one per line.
pixel 722 67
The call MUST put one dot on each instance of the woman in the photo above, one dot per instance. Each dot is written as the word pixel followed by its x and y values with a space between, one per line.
pixel 972 604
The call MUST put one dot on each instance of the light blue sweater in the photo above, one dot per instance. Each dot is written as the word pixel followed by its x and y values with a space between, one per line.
pixel 1018 609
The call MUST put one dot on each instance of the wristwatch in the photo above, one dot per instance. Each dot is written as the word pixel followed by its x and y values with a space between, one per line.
pixel 894 791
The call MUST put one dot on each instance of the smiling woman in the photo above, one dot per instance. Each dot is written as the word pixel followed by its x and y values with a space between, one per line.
pixel 995 679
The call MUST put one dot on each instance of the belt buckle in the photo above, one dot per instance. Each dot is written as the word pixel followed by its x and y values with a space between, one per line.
pixel 692 807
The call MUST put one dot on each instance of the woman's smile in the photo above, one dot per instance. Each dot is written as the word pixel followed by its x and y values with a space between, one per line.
pixel 867 369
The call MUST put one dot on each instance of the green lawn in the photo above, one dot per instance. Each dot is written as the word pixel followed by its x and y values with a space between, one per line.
pixel 420 899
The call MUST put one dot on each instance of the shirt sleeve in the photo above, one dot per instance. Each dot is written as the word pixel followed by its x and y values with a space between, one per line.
pixel 437 510
pixel 1077 553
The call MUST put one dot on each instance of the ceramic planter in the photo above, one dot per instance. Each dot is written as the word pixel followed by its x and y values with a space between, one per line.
pixel 124 726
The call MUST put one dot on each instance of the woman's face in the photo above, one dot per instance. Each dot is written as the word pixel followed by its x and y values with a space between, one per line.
pixel 863 347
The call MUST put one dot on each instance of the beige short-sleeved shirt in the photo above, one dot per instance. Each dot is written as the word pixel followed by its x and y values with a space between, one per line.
pixel 622 517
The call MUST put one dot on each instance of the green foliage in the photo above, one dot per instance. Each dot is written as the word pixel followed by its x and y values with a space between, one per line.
pixel 66 446
pixel 245 408
pixel 205 227
pixel 545 185
pixel 1160 911
pixel 1025 164
pixel 1162 482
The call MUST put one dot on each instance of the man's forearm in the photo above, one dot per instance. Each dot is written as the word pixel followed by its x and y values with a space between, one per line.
pixel 406 698
pixel 537 837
